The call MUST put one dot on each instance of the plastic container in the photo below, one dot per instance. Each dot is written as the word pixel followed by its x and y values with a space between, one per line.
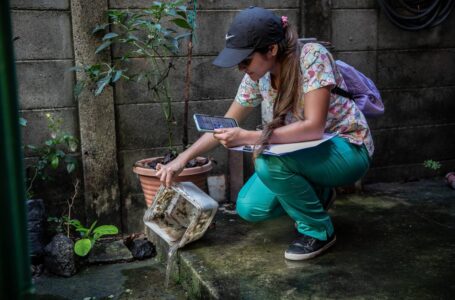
pixel 180 214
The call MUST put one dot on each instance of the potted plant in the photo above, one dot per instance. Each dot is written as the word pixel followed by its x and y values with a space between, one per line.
pixel 153 34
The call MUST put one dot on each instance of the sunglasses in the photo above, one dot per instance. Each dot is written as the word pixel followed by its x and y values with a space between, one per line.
pixel 247 61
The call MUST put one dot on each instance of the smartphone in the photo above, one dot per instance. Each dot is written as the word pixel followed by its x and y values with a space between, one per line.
pixel 206 123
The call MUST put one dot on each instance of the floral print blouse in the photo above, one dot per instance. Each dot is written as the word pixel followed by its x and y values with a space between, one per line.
pixel 318 70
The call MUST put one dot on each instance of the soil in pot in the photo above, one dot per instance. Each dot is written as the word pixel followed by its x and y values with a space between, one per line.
pixel 196 172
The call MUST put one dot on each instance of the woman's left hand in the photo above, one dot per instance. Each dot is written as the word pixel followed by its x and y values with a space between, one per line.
pixel 231 137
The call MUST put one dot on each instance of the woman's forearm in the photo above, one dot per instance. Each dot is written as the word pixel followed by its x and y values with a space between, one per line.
pixel 297 132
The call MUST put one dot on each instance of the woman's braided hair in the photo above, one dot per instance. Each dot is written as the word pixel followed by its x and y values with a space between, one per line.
pixel 289 86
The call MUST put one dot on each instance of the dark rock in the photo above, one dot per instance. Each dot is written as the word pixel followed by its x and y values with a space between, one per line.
pixel 142 248
pixel 37 270
pixel 59 256
pixel 109 251
pixel 35 226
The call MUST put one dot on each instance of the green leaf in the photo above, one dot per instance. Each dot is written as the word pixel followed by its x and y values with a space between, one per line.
pixel 78 88
pixel 75 223
pixel 105 230
pixel 70 167
pixel 182 14
pixel 54 162
pixel 22 122
pixel 60 153
pixel 103 46
pixel 82 247
pixel 102 84
pixel 99 27
pixel 117 75
pixel 184 35
pixel 182 23
pixel 109 36
pixel 75 69
pixel 91 227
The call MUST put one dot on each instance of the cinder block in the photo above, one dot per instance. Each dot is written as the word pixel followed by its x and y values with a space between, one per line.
pixel 209 81
pixel 354 29
pixel 140 91
pixel 42 35
pixel 40 4
pixel 212 4
pixel 364 61
pixel 37 132
pixel 407 172
pixel 133 209
pixel 213 25
pixel 45 84
pixel 205 82
pixel 412 69
pixel 354 4
pixel 401 146
pixel 416 107
pixel 142 126
pixel 393 37
pixel 242 4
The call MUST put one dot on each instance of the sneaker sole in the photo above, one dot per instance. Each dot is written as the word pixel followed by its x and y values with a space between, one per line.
pixel 292 256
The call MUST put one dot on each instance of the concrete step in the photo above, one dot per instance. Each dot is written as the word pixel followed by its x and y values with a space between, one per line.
pixel 395 241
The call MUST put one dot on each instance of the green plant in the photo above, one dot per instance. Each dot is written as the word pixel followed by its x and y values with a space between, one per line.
pixel 149 34
pixel 54 152
pixel 90 235
pixel 432 165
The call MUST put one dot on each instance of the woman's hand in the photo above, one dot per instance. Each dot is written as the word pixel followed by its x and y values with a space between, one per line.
pixel 231 137
pixel 169 171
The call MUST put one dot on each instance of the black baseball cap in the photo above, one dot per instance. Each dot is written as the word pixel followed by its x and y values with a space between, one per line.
pixel 252 28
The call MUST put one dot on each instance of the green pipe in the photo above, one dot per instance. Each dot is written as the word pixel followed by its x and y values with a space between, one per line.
pixel 15 278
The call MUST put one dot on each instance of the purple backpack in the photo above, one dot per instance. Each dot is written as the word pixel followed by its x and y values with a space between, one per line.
pixel 361 89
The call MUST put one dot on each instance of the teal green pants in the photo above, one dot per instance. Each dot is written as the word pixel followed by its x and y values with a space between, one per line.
pixel 297 183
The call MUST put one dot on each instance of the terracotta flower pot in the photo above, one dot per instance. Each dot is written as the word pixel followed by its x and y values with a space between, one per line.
pixel 150 182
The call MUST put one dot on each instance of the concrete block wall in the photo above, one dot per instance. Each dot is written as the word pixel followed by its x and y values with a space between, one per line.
pixel 415 74
pixel 43 48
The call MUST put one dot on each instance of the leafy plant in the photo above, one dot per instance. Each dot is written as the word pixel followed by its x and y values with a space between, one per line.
pixel 90 235
pixel 51 154
pixel 150 34
pixel 432 165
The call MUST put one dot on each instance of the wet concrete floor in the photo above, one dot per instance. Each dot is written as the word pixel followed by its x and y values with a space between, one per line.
pixel 134 280
pixel 394 241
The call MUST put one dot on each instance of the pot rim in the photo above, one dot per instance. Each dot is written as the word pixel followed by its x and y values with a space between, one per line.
pixel 186 172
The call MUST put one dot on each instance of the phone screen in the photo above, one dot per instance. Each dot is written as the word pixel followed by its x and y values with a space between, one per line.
pixel 210 123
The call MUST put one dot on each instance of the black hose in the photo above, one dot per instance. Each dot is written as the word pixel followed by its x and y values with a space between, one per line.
pixel 415 15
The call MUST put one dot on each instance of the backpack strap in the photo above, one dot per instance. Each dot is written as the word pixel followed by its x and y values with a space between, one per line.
pixel 339 91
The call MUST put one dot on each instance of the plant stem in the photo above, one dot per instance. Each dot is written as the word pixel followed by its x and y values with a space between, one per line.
pixel 31 182
pixel 187 91
pixel 70 206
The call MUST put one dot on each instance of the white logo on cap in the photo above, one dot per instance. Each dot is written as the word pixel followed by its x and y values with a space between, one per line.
pixel 229 37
